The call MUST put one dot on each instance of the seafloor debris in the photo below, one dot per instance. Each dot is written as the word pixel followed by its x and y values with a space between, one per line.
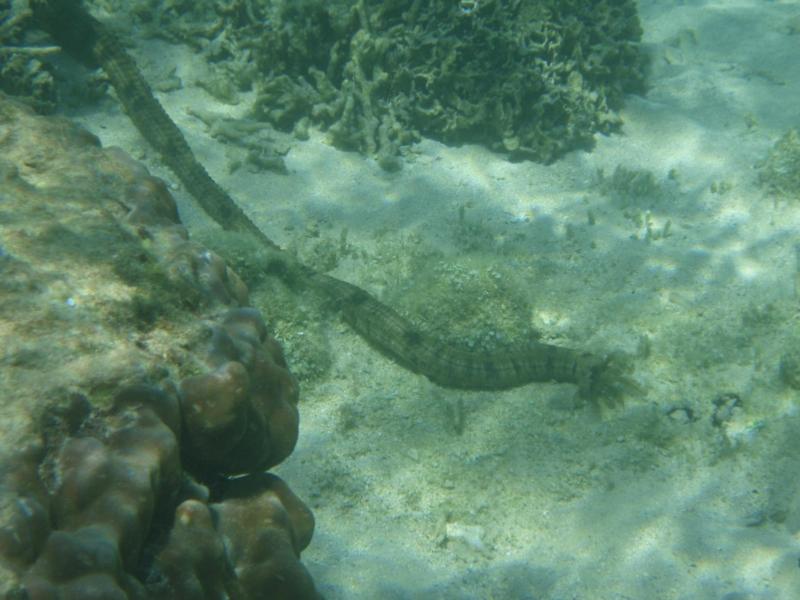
pixel 725 407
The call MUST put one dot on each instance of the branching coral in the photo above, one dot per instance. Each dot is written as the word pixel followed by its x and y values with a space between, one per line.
pixel 532 79
pixel 22 73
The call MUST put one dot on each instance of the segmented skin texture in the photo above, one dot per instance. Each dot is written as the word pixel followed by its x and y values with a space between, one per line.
pixel 598 378
pixel 450 366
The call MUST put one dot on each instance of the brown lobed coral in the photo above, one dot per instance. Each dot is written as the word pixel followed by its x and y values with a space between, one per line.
pixel 242 416
pixel 110 494
pixel 111 392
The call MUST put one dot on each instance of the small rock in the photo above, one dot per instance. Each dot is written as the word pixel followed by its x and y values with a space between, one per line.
pixel 469 535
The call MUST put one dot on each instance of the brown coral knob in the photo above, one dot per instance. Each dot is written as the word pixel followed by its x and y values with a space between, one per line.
pixel 242 417
pixel 193 561
pixel 266 558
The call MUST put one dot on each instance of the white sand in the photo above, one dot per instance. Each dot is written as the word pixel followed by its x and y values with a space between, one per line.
pixel 541 497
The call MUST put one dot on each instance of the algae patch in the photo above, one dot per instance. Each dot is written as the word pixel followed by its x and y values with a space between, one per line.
pixel 780 171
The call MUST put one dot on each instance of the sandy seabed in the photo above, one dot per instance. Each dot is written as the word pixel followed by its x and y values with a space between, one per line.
pixel 691 490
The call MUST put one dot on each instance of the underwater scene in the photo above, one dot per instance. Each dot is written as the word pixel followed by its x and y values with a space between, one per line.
pixel 402 299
